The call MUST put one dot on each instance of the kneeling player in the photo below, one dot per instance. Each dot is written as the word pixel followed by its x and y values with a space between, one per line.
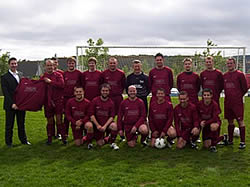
pixel 209 111
pixel 161 115
pixel 186 122
pixel 131 118
pixel 76 113
pixel 102 112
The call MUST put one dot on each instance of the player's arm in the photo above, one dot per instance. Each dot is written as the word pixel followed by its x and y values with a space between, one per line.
pixel 195 117
pixel 6 93
pixel 215 117
pixel 198 83
pixel 110 120
pixel 170 119
pixel 151 122
pixel 171 79
pixel 119 120
pixel 142 117
pixel 177 123
pixel 220 82
pixel 69 114
pixel 59 82
pixel 178 83
pixel 150 81
pixel 94 120
pixel 243 84
pixel 123 82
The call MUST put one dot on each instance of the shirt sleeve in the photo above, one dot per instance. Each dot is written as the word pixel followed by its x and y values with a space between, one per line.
pixel 59 82
pixel 120 117
pixel 143 115
pixel 170 119
pixel 68 113
pixel 151 121
pixel 177 123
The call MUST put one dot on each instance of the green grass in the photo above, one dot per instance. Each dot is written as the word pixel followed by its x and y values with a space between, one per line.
pixel 58 165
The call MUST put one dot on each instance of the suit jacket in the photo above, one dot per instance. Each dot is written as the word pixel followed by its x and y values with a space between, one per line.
pixel 9 84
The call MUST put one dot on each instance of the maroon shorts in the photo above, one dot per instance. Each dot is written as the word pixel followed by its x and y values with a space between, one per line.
pixel 186 134
pixel 129 136
pixel 207 134
pixel 55 109
pixel 77 133
pixel 232 112
pixel 98 135
pixel 117 101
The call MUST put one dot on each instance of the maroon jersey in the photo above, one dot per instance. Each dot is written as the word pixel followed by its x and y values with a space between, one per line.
pixel 160 116
pixel 189 82
pixel 55 87
pixel 102 110
pixel 131 113
pixel 30 94
pixel 91 82
pixel 209 113
pixel 71 79
pixel 77 110
pixel 116 79
pixel 235 87
pixel 160 78
pixel 185 118
pixel 60 71
pixel 213 80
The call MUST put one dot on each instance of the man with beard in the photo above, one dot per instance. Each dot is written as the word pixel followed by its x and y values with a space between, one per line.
pixel 77 113
pixel 102 113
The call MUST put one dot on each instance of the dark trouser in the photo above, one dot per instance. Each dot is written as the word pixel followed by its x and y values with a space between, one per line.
pixel 145 101
pixel 9 124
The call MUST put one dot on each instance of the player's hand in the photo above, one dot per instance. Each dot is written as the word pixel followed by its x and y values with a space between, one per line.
pixel 203 123
pixel 14 106
pixel 121 133
pixel 78 127
pixel 47 80
pixel 99 127
pixel 133 130
pixel 78 123
pixel 155 134
pixel 102 129
pixel 162 135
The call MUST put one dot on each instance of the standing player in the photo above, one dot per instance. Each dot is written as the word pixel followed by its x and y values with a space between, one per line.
pixel 140 81
pixel 131 118
pixel 116 79
pixel 189 81
pixel 77 113
pixel 161 116
pixel 54 103
pixel 210 122
pixel 56 64
pixel 160 77
pixel 235 87
pixel 186 122
pixel 91 80
pixel 102 113
pixel 212 78
pixel 72 78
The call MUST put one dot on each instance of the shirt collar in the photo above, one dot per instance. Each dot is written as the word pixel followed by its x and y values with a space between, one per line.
pixel 12 73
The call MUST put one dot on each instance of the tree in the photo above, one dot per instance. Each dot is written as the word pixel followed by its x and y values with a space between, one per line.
pixel 95 50
pixel 4 63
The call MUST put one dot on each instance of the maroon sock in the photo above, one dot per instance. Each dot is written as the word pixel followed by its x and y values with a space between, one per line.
pixel 195 138
pixel 219 139
pixel 214 138
pixel 143 137
pixel 230 129
pixel 113 136
pixel 50 139
pixel 242 133
pixel 169 139
pixel 66 124
pixel 90 136
pixel 62 131
pixel 50 129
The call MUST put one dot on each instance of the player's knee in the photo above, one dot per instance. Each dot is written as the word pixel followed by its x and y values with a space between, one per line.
pixel 207 144
pixel 78 142
pixel 179 145
pixel 143 129
pixel 171 133
pixel 100 142
pixel 113 126
pixel 89 127
pixel 214 126
pixel 152 142
pixel 155 134
pixel 241 123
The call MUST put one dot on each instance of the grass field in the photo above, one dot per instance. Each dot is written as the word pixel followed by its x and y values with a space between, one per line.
pixel 58 165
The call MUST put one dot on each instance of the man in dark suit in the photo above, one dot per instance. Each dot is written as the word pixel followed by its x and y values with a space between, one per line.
pixel 9 82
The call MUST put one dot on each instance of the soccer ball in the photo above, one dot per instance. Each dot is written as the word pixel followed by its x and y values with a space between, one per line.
pixel 160 143
pixel 236 132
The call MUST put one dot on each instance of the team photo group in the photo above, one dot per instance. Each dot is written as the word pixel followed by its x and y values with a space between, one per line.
pixel 93 104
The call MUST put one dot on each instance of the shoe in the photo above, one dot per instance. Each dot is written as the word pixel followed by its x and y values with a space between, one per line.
pixel 169 144
pixel 213 149
pixel 198 141
pixel 48 143
pixel 65 142
pixel 144 143
pixel 59 136
pixel 90 146
pixel 114 146
pixel 194 146
pixel 122 139
pixel 224 141
pixel 26 143
pixel 9 145
pixel 242 145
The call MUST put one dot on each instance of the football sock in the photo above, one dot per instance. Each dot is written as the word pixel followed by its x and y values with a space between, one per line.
pixel 230 129
pixel 50 129
pixel 90 136
pixel 242 133
pixel 113 136
pixel 66 124
pixel 143 137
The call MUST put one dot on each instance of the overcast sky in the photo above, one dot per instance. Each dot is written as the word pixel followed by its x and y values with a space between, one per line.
pixel 36 29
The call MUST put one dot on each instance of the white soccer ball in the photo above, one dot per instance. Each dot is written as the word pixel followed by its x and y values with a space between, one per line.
pixel 160 143
pixel 236 132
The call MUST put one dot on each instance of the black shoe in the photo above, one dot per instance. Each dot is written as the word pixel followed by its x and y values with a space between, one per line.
pixel 65 142
pixel 194 146
pixel 48 143
pixel 144 143
pixel 242 145
pixel 59 136
pixel 122 139
pixel 26 143
pixel 90 146
pixel 213 149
